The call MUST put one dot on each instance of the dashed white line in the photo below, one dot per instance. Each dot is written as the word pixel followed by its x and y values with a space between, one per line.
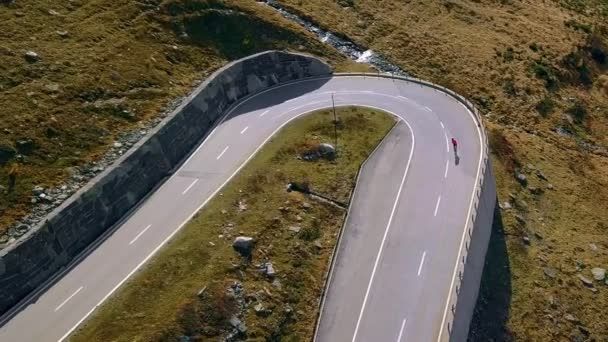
pixel 421 263
pixel 403 97
pixel 442 126
pixel 428 109
pixel 266 112
pixel 67 299
pixel 221 154
pixel 244 129
pixel 447 167
pixel 388 226
pixel 437 205
pixel 140 234
pixel 447 141
pixel 190 186
pixel 401 330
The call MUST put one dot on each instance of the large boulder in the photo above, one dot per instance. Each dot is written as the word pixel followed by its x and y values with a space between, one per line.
pixel 244 245
pixel 327 151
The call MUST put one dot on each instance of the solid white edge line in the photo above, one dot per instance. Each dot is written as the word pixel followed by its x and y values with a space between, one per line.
pixel 180 226
pixel 190 186
pixel 224 151
pixel 244 129
pixel 264 113
pixel 390 220
pixel 421 263
pixel 464 231
pixel 67 299
pixel 140 234
pixel 208 138
pixel 447 167
pixel 401 330
pixel 437 205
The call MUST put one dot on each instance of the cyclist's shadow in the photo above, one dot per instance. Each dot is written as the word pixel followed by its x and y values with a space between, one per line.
pixel 456 157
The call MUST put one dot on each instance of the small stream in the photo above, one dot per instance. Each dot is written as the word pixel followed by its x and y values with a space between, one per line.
pixel 346 47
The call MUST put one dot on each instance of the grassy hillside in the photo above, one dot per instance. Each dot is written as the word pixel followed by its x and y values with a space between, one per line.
pixel 537 69
pixel 102 69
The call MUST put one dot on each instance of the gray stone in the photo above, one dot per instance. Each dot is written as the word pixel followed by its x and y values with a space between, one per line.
pixel 593 247
pixel 306 206
pixel 599 274
pixel 242 206
pixel 550 186
pixel 62 34
pixel 541 175
pixel 269 270
pixel 505 205
pixel 586 281
pixel 53 12
pixel 522 179
pixel 31 57
pixel 526 240
pixel 328 151
pixel 238 324
pixel 570 318
pixel 318 244
pixel 520 219
pixel 295 229
pixel 262 311
pixel 535 190
pixel 243 245
pixel 550 272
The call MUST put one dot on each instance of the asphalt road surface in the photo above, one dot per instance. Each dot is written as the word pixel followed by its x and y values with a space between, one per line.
pixel 395 262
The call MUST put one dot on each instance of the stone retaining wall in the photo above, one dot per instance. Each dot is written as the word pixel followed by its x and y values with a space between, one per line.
pixel 100 205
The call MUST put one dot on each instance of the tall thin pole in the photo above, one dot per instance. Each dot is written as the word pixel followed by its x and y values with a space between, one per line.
pixel 333 104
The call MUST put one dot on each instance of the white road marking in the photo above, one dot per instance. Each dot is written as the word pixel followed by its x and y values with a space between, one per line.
pixel 464 231
pixel 244 129
pixel 437 205
pixel 447 167
pixel 421 263
pixel 447 141
pixel 428 109
pixel 403 97
pixel 67 299
pixel 401 330
pixel 442 126
pixel 224 151
pixel 266 112
pixel 190 186
pixel 140 234
pixel 390 220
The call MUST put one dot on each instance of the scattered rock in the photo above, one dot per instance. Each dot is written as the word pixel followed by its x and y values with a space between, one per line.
pixel 599 274
pixel 260 310
pixel 522 179
pixel 526 240
pixel 31 57
pixel 570 318
pixel 520 219
pixel 269 270
pixel 62 34
pixel 505 206
pixel 550 186
pixel 295 229
pixel 550 272
pixel 586 281
pixel 224 211
pixel 535 190
pixel 244 245
pixel 318 244
pixel 299 218
pixel 238 324
pixel 593 247
pixel 117 145
pixel 306 206
pixel 53 12
pixel 242 206
pixel 201 292
pixel 541 175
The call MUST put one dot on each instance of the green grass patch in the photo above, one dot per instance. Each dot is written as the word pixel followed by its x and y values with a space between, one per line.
pixel 189 288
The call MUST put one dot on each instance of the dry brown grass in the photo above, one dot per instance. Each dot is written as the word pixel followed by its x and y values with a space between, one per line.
pixel 123 50
pixel 161 304
pixel 510 57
